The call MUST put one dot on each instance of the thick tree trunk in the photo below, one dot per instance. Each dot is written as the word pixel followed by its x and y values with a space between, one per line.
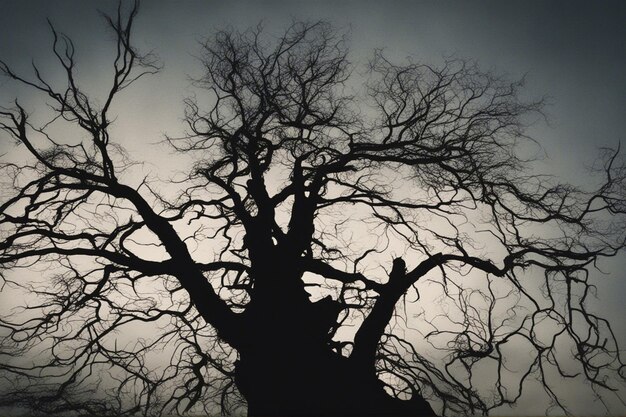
pixel 286 366
pixel 286 382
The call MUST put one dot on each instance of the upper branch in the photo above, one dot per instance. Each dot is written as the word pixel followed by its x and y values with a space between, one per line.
pixel 66 168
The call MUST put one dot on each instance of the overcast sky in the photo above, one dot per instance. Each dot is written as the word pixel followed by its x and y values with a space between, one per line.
pixel 574 53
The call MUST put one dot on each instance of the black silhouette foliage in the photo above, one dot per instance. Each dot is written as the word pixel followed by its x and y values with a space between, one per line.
pixel 347 240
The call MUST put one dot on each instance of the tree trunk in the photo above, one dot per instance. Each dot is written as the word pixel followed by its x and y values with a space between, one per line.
pixel 283 381
pixel 286 366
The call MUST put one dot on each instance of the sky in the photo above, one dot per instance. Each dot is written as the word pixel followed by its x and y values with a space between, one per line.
pixel 573 53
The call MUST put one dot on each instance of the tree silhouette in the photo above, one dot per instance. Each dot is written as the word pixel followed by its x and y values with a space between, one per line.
pixel 327 211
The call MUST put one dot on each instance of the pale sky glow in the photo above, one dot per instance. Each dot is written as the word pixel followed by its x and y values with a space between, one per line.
pixel 572 53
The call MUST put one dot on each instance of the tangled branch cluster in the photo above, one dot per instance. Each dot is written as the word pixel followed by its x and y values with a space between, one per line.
pixel 427 162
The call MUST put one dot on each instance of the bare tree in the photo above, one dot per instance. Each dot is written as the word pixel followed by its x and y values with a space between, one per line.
pixel 309 178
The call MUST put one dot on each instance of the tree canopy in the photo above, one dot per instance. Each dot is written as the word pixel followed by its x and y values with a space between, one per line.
pixel 387 214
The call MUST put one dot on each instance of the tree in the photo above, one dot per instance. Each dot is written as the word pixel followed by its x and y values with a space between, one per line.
pixel 308 180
